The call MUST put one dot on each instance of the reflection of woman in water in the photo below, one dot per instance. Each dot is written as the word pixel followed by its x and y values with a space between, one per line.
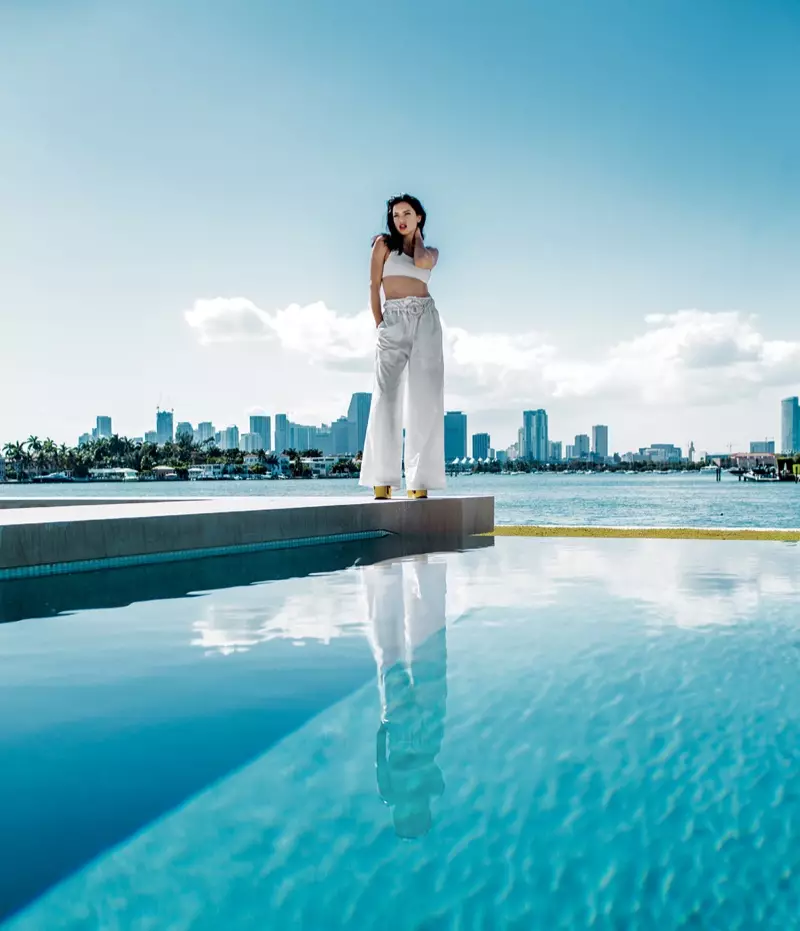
pixel 409 641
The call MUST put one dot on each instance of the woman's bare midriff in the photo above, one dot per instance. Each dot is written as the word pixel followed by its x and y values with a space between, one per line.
pixel 396 287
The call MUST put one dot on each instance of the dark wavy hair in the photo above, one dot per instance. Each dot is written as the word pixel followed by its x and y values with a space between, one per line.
pixel 393 238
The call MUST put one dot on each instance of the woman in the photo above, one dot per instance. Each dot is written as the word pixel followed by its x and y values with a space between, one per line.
pixel 409 341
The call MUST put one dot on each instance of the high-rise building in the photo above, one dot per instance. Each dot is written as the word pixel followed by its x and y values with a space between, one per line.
pixel 103 428
pixel 570 451
pixel 251 442
pixel 302 437
pixel 358 415
pixel 455 435
pixel 205 431
pixel 582 446
pixel 534 436
pixel 480 445
pixel 341 435
pixel 554 448
pixel 151 436
pixel 325 440
pixel 790 426
pixel 262 425
pixel 762 447
pixel 600 441
pixel 230 438
pixel 84 438
pixel 281 433
pixel 164 428
pixel 184 428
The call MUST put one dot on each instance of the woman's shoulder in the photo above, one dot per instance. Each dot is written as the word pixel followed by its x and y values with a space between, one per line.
pixel 380 243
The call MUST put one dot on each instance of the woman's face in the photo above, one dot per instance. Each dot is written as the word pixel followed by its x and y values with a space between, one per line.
pixel 405 220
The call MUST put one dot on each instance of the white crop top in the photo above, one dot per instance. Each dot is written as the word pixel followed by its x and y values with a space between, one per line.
pixel 398 263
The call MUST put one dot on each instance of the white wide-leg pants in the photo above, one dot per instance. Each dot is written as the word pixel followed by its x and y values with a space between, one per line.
pixel 409 366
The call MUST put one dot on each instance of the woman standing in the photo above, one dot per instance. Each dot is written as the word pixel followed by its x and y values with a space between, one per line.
pixel 409 344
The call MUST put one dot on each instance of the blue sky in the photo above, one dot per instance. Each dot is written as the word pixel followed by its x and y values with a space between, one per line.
pixel 188 190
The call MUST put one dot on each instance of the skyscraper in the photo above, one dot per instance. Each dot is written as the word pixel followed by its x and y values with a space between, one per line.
pixel 281 433
pixel 230 438
pixel 262 425
pixel 251 442
pixel 324 441
pixel 103 428
pixel 790 426
pixel 184 428
pixel 341 431
pixel 600 441
pixel 358 415
pixel 205 431
pixel 480 445
pixel 582 446
pixel 302 437
pixel 164 427
pixel 554 451
pixel 534 436
pixel 455 435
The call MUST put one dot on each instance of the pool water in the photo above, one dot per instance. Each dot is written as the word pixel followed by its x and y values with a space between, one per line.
pixel 530 734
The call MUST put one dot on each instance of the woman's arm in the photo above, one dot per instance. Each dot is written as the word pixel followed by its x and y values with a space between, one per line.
pixel 379 252
pixel 424 258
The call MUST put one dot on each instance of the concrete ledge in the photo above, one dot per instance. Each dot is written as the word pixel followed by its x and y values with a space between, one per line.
pixel 655 533
pixel 43 541
pixel 33 501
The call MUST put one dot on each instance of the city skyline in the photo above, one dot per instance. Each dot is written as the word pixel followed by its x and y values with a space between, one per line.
pixel 648 276
pixel 533 440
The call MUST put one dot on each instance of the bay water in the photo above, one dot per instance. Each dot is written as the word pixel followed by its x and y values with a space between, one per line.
pixel 602 499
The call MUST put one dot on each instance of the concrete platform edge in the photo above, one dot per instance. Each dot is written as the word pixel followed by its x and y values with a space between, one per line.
pixel 124 537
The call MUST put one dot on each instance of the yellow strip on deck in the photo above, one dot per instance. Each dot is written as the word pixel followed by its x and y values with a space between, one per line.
pixel 650 533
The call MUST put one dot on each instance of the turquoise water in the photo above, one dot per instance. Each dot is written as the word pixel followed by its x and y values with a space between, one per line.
pixel 532 734
pixel 687 500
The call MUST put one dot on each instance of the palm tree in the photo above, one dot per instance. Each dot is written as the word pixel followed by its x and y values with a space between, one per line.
pixel 34 445
pixel 15 453
pixel 49 454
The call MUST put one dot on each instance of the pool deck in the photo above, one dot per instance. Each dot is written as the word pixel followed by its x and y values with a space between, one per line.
pixel 82 535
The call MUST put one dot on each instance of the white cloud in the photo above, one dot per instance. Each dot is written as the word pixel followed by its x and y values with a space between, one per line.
pixel 228 320
pixel 687 357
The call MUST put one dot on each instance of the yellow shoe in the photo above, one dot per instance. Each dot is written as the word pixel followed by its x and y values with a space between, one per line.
pixel 382 492
pixel 417 494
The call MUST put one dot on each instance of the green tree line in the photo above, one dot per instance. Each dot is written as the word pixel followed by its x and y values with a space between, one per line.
pixel 34 457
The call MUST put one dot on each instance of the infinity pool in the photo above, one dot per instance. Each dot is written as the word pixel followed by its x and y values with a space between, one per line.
pixel 531 734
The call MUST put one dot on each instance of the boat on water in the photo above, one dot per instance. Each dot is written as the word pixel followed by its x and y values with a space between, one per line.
pixel 52 478
pixel 761 476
